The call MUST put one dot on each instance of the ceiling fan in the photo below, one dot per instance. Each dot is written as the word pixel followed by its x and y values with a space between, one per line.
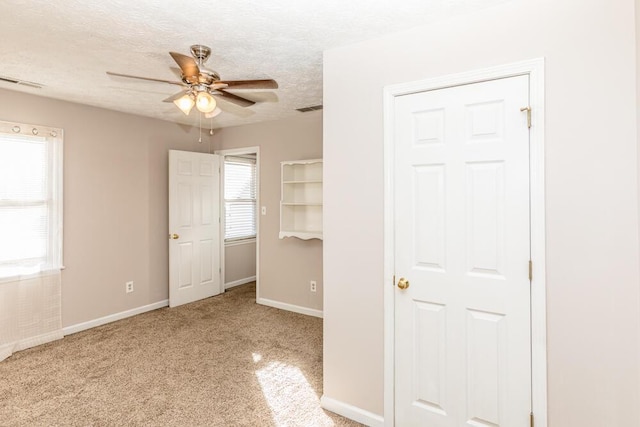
pixel 202 85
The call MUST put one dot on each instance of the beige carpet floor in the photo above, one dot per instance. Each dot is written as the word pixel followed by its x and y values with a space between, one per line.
pixel 223 361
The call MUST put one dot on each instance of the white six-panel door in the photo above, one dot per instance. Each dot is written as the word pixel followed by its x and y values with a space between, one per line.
pixel 194 228
pixel 461 209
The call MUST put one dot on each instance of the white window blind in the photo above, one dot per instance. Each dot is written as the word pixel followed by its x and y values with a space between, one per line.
pixel 30 200
pixel 239 198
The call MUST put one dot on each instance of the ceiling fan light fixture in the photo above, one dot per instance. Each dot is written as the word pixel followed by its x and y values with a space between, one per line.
pixel 185 103
pixel 205 103
pixel 198 83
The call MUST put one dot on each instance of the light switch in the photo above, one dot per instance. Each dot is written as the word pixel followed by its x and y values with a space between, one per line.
pixel 264 210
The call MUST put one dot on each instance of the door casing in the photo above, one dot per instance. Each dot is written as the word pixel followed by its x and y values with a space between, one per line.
pixel 535 69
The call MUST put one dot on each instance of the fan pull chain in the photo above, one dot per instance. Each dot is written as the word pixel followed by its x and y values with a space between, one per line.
pixel 200 125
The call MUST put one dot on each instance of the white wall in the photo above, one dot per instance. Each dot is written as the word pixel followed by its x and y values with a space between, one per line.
pixel 591 195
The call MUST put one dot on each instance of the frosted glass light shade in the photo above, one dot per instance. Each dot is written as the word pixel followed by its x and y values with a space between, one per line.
pixel 205 102
pixel 185 104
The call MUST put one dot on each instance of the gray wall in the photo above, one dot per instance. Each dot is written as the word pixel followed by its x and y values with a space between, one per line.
pixel 591 195
pixel 239 262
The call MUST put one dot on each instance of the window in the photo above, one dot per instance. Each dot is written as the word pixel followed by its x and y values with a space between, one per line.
pixel 30 199
pixel 239 198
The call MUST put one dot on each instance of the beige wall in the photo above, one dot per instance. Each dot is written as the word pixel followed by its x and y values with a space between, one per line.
pixel 591 195
pixel 115 202
pixel 239 262
pixel 637 23
pixel 285 266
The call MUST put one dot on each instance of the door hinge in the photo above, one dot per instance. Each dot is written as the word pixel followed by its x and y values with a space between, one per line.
pixel 528 110
pixel 531 424
pixel 530 270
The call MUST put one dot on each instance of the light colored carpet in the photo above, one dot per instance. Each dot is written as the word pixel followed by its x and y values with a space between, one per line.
pixel 223 361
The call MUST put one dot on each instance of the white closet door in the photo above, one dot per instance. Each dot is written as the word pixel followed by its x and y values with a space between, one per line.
pixel 462 327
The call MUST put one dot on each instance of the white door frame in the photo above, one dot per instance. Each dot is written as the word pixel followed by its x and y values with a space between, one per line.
pixel 237 152
pixel 535 69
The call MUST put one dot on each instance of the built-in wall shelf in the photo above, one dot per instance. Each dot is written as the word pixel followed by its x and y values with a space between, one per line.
pixel 301 199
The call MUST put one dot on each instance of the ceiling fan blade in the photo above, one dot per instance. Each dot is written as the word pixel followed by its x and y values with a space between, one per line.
pixel 250 84
pixel 187 65
pixel 214 113
pixel 176 72
pixel 176 96
pixel 144 78
pixel 235 99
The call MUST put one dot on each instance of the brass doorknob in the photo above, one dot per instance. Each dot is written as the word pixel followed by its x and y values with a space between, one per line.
pixel 174 236
pixel 403 283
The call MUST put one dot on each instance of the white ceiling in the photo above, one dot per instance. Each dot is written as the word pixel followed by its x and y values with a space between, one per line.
pixel 67 46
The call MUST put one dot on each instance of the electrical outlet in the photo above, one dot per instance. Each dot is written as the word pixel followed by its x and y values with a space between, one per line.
pixel 128 287
pixel 313 286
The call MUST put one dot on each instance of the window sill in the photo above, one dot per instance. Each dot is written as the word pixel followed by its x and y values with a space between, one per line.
pixel 239 242
pixel 14 277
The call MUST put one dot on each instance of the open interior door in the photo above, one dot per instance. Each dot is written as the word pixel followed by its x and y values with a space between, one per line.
pixel 194 226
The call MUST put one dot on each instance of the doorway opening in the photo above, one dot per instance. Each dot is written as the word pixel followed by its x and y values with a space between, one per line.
pixel 240 217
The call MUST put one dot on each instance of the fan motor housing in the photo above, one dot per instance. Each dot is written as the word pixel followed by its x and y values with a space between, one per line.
pixel 201 53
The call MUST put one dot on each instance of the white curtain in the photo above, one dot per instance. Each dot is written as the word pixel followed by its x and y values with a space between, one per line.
pixel 30 312
pixel 31 230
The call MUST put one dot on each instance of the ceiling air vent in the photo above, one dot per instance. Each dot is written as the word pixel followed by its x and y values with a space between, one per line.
pixel 20 82
pixel 307 109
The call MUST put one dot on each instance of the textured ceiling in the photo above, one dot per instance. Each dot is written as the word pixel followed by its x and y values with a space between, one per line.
pixel 67 46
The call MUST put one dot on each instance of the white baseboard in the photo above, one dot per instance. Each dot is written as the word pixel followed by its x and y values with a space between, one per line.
pixel 290 307
pixel 352 412
pixel 8 349
pixel 113 317
pixel 239 282
pixel 40 339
